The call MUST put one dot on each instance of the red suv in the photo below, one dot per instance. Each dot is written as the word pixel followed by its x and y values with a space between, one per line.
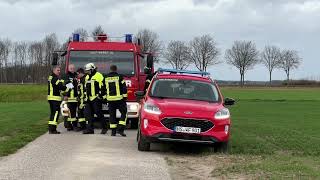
pixel 183 106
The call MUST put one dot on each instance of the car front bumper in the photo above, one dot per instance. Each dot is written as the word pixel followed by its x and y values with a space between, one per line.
pixel 154 131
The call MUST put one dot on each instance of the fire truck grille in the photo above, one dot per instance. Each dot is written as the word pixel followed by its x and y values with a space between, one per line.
pixel 171 123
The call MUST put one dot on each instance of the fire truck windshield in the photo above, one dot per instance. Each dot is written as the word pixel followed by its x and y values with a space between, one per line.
pixel 103 59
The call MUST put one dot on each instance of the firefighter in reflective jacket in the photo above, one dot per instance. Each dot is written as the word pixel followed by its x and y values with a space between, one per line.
pixel 55 88
pixel 72 95
pixel 116 95
pixel 93 86
pixel 81 98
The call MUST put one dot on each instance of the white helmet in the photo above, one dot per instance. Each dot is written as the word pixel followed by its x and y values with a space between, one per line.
pixel 89 66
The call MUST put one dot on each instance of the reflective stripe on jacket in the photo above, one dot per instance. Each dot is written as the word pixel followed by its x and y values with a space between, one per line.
pixel 55 87
pixel 72 94
pixel 94 85
pixel 115 87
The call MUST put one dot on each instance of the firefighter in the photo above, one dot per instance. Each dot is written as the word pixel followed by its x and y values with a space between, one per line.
pixel 149 77
pixel 55 88
pixel 81 98
pixel 72 95
pixel 116 95
pixel 94 85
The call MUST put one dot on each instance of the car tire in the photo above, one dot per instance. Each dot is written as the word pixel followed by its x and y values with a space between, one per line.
pixel 221 147
pixel 143 144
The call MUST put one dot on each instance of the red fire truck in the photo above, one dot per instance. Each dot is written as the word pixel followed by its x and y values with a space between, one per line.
pixel 126 55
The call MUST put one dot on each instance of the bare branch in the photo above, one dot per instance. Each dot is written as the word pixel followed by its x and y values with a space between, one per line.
pixel 289 60
pixel 243 55
pixel 204 52
pixel 83 33
pixel 270 58
pixel 150 42
pixel 177 54
pixel 98 30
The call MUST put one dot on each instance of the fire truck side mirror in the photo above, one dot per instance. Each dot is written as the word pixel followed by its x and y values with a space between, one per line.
pixel 149 61
pixel 55 57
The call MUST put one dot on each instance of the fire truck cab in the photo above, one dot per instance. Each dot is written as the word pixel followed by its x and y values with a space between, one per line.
pixel 126 55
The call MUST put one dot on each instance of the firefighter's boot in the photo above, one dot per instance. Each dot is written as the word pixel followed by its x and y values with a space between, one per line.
pixel 121 130
pixel 88 131
pixel 104 131
pixel 114 132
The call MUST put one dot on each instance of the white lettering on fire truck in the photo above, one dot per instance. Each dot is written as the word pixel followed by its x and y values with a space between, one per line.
pixel 128 83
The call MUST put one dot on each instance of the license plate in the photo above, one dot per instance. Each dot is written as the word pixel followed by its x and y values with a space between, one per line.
pixel 187 129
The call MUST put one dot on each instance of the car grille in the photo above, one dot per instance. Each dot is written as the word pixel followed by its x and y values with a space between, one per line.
pixel 171 123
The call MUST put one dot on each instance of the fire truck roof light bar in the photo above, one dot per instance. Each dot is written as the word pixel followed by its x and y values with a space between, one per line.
pixel 176 71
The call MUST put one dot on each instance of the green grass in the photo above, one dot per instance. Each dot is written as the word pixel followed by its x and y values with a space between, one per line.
pixel 272 94
pixel 24 115
pixel 21 123
pixel 22 93
pixel 279 125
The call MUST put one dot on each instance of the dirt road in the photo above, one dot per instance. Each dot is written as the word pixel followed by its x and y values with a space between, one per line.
pixel 72 155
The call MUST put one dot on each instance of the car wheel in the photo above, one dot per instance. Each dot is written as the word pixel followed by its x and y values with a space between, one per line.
pixel 221 147
pixel 143 144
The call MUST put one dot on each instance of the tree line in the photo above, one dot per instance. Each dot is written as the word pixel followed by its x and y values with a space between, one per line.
pixel 203 52
pixel 30 61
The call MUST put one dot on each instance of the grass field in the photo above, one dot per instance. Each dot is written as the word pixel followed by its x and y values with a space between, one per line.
pixel 24 115
pixel 275 131
pixel 275 135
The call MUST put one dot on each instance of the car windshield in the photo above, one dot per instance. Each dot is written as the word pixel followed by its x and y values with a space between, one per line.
pixel 103 59
pixel 184 89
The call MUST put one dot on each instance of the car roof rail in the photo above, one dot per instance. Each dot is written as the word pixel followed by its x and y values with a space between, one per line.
pixel 176 71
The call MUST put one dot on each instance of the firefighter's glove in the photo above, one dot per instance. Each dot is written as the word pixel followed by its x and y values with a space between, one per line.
pixel 69 86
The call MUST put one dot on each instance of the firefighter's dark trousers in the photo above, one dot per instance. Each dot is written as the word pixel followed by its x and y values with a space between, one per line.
pixel 91 108
pixel 122 106
pixel 72 120
pixel 54 115
pixel 81 117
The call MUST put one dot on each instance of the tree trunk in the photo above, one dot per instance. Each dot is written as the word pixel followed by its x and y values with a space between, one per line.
pixel 270 76
pixel 288 78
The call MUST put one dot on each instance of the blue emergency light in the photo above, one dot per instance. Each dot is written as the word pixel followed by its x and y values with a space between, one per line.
pixel 176 71
pixel 128 38
pixel 76 37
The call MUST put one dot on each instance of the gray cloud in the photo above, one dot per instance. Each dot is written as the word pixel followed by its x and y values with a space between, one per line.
pixel 286 23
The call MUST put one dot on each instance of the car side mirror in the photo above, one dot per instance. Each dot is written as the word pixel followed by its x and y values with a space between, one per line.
pixel 55 57
pixel 149 61
pixel 229 102
pixel 139 95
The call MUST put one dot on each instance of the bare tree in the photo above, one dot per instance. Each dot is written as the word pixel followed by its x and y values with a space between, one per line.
pixel 270 58
pixel 289 60
pixel 204 52
pixel 5 49
pixel 50 44
pixel 177 54
pixel 150 42
pixel 98 30
pixel 83 33
pixel 20 57
pixel 243 55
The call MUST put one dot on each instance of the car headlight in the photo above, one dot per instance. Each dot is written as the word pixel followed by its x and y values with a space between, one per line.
pixel 133 107
pixel 151 108
pixel 222 114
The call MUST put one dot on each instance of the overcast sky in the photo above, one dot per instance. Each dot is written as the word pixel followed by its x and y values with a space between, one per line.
pixel 289 24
